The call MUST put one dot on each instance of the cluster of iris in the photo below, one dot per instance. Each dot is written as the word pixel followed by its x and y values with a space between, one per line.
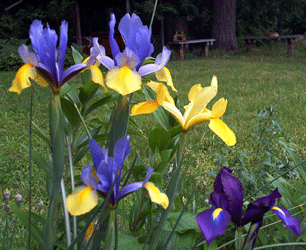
pixel 125 71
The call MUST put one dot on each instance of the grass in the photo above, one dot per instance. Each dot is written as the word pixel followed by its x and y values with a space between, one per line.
pixel 249 82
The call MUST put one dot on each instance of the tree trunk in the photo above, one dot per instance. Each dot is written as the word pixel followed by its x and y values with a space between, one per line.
pixel 224 24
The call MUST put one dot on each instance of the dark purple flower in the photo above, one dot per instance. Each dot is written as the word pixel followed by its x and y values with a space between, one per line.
pixel 227 202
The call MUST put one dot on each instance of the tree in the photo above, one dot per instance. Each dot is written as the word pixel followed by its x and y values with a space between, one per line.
pixel 224 24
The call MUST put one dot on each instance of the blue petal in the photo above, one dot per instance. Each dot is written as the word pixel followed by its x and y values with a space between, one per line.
pixel 128 58
pixel 130 188
pixel 71 72
pixel 121 151
pixel 102 58
pixel 87 177
pixel 213 222
pixel 218 200
pixel 98 154
pixel 257 209
pixel 27 56
pixel 232 188
pixel 62 47
pixel 160 62
pixel 113 44
pixel 44 43
pixel 292 223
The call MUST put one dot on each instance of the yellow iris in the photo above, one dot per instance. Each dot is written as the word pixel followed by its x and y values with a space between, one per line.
pixel 195 112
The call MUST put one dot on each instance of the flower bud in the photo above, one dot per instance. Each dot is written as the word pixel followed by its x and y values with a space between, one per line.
pixel 18 199
pixel 7 207
pixel 6 195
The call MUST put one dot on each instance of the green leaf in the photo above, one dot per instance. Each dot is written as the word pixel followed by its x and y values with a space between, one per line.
pixel 40 133
pixel 187 222
pixel 70 111
pixel 158 139
pixel 99 103
pixel 128 242
pixel 87 91
pixel 77 57
pixel 23 217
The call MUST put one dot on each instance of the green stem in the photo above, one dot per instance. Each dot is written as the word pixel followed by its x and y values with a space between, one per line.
pixel 83 122
pixel 153 14
pixel 66 215
pixel 109 241
pixel 30 166
pixel 57 135
pixel 120 122
pixel 171 192
pixel 239 238
pixel 74 220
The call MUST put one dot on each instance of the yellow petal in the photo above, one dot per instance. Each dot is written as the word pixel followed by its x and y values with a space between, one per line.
pixel 96 76
pixel 223 131
pixel 144 108
pixel 123 80
pixel 200 118
pixel 156 196
pixel 21 80
pixel 97 63
pixel 40 80
pixel 200 102
pixel 163 95
pixel 214 82
pixel 194 91
pixel 165 76
pixel 153 85
pixel 174 111
pixel 219 108
pixel 82 200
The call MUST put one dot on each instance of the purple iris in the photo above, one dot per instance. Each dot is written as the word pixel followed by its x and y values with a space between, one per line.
pixel 107 168
pixel 227 202
pixel 50 61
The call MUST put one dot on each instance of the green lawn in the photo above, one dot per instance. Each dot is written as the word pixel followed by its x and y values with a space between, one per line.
pixel 248 83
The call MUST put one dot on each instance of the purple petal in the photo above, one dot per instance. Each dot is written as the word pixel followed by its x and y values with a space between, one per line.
pixel 44 42
pixel 71 72
pixel 101 57
pixel 292 223
pixel 87 177
pixel 130 188
pixel 160 62
pixel 232 188
pixel 113 44
pixel 212 223
pixel 218 187
pixel 98 154
pixel 121 150
pixel 218 200
pixel 257 209
pixel 27 56
pixel 62 47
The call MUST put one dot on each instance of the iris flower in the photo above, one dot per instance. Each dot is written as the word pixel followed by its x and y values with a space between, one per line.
pixel 101 178
pixel 227 202
pixel 126 68
pixel 46 66
pixel 195 112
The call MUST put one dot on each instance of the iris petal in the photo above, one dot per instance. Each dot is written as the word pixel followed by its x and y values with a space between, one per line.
pixel 123 80
pixel 144 108
pixel 223 131
pixel 21 80
pixel 82 200
pixel 292 223
pixel 212 223
pixel 165 76
pixel 156 196
pixel 96 76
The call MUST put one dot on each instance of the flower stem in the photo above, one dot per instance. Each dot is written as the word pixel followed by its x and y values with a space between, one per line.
pixel 109 241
